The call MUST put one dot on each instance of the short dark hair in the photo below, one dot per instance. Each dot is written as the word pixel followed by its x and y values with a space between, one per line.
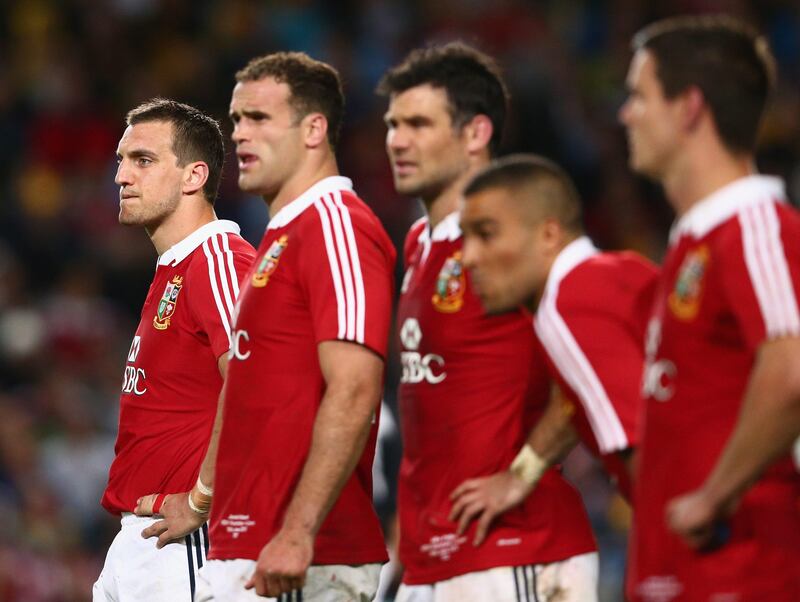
pixel 471 79
pixel 726 59
pixel 555 194
pixel 195 136
pixel 315 87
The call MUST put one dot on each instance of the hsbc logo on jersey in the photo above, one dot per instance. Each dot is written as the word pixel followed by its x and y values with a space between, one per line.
pixel 133 381
pixel 659 374
pixel 135 346
pixel 239 340
pixel 417 367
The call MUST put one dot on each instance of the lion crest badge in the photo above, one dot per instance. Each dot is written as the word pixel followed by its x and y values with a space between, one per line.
pixel 269 263
pixel 450 285
pixel 684 300
pixel 168 303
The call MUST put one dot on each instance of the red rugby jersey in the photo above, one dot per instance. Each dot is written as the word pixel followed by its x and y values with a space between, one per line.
pixel 172 382
pixel 323 272
pixel 729 283
pixel 472 388
pixel 591 322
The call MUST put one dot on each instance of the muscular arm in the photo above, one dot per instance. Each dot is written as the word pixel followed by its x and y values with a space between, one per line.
pixel 768 424
pixel 353 377
pixel 485 498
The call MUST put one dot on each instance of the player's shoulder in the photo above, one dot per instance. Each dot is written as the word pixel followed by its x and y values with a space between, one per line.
pixel 214 247
pixel 625 265
pixel 338 209
pixel 606 275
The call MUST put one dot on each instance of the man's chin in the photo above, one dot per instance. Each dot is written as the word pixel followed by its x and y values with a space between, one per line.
pixel 408 188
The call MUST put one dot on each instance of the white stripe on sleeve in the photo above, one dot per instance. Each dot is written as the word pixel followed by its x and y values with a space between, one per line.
pixel 768 270
pixel 356 265
pixel 578 372
pixel 330 247
pixel 231 266
pixel 212 278
pixel 223 275
pixel 344 262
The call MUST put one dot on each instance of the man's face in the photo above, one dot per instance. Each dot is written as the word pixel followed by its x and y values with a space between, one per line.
pixel 502 251
pixel 652 121
pixel 149 177
pixel 427 153
pixel 269 144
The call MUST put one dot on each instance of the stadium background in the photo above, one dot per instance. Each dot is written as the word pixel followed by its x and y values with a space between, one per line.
pixel 72 280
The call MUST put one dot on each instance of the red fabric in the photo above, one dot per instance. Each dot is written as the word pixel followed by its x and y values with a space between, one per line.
pixel 274 384
pixel 473 388
pixel 725 289
pixel 172 382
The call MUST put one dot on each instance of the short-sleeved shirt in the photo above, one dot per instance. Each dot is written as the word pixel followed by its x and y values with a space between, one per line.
pixel 729 283
pixel 471 390
pixel 323 272
pixel 591 322
pixel 172 381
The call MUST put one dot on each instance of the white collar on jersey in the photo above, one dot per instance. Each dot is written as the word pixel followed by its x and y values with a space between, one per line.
pixel 181 250
pixel 724 203
pixel 308 198
pixel 576 252
pixel 447 229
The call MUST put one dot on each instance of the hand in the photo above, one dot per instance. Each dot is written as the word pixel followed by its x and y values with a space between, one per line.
pixel 282 564
pixel 486 498
pixel 698 520
pixel 179 520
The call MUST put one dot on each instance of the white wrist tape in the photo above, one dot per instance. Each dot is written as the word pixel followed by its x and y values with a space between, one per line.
pixel 204 489
pixel 528 465
pixel 195 508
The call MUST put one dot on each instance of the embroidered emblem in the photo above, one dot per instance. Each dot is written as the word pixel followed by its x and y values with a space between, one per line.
pixel 269 262
pixel 450 285
pixel 684 300
pixel 169 300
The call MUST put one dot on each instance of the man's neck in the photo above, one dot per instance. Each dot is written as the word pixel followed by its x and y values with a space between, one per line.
pixel 449 199
pixel 183 221
pixel 303 179
pixel 701 174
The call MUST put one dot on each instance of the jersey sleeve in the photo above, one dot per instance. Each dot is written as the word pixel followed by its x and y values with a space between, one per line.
pixel 216 276
pixel 760 272
pixel 594 341
pixel 348 274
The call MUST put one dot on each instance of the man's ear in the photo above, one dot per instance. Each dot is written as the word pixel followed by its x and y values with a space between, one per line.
pixel 478 132
pixel 552 234
pixel 315 129
pixel 195 176
pixel 693 106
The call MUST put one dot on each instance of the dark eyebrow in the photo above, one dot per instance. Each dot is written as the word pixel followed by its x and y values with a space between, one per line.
pixel 412 120
pixel 139 152
pixel 249 113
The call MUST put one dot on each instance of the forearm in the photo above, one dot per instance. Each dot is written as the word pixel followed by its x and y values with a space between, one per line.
pixel 553 436
pixel 209 464
pixel 340 432
pixel 768 423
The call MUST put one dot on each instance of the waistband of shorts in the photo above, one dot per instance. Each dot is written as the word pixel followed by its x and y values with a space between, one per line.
pixel 129 518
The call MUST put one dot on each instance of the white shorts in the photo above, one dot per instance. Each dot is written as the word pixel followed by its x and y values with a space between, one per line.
pixel 135 570
pixel 223 581
pixel 570 580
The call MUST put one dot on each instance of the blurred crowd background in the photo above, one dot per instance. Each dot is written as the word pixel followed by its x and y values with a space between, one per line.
pixel 72 280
